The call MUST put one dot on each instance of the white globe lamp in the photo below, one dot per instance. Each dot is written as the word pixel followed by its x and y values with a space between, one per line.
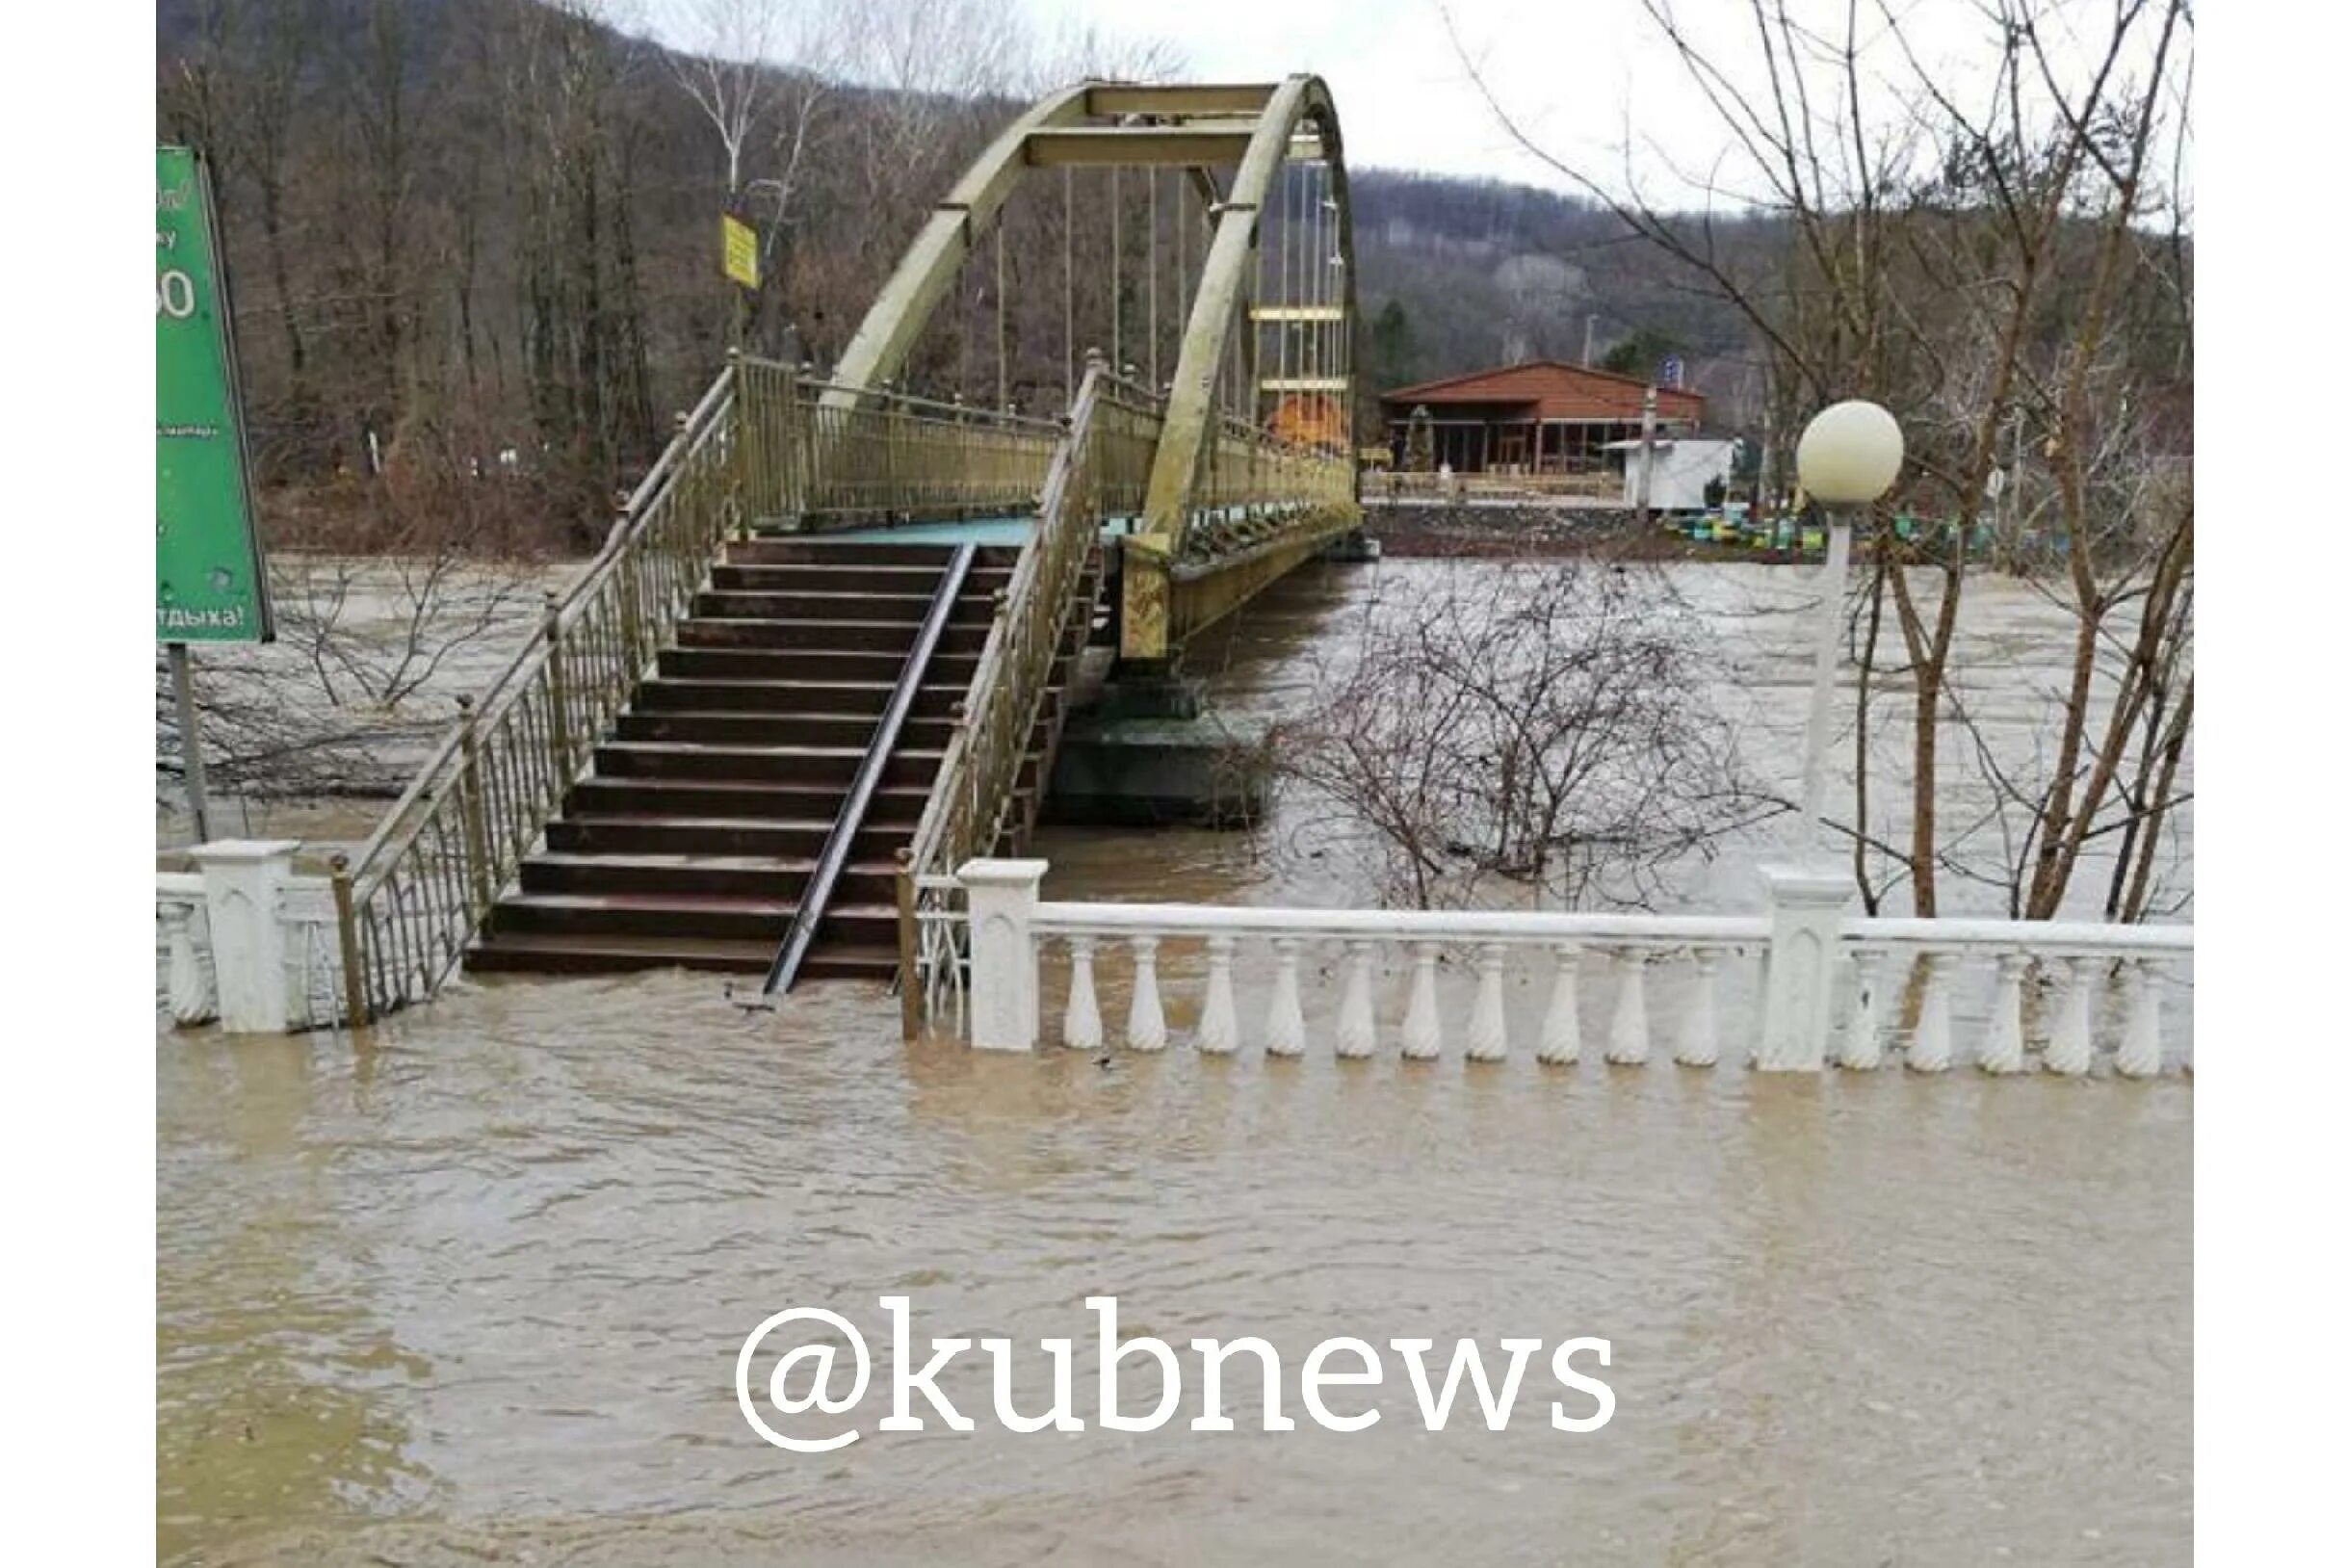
pixel 1850 454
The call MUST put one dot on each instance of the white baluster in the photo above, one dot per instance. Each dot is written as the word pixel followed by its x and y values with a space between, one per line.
pixel 2139 1047
pixel 1357 1017
pixel 1487 1026
pixel 2071 1047
pixel 1079 1030
pixel 1421 1028
pixel 191 988
pixel 1560 1029
pixel 1699 1029
pixel 1929 1051
pixel 1219 1025
pixel 1145 1018
pixel 1283 1030
pixel 1861 1042
pixel 1626 1040
pixel 2003 1051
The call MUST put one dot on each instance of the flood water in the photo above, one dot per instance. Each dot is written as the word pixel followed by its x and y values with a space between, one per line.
pixel 474 1292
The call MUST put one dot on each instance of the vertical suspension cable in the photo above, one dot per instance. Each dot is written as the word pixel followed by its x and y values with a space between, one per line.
pixel 1151 251
pixel 1067 283
pixel 1116 271
pixel 1181 255
pixel 1001 317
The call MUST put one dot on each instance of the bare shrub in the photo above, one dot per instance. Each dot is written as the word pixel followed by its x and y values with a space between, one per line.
pixel 1540 724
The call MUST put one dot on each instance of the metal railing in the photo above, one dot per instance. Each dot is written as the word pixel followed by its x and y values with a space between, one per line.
pixel 1099 471
pixel 1249 477
pixel 854 455
pixel 423 884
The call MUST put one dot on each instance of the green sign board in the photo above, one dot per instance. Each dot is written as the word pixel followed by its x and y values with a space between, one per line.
pixel 210 586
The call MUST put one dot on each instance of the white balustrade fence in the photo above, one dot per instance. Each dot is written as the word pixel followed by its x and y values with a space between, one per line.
pixel 246 941
pixel 1783 970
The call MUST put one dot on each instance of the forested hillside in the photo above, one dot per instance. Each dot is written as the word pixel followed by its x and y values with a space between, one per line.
pixel 468 234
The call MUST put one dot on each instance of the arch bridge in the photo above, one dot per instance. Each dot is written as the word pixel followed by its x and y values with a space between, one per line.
pixel 840 615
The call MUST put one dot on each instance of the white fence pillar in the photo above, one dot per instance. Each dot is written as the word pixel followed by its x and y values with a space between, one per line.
pixel 1006 979
pixel 245 882
pixel 1805 906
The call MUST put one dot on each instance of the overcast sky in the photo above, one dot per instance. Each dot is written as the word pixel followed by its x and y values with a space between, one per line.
pixel 1582 78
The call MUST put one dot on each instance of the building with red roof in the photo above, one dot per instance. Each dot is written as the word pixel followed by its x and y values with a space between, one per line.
pixel 1539 417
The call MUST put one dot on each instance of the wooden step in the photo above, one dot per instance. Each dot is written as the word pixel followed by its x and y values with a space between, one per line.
pixel 705 915
pixel 779 729
pixel 833 635
pixel 906 610
pixel 802 838
pixel 700 876
pixel 684 663
pixel 813 550
pixel 587 953
pixel 773 800
pixel 667 693
pixel 832 765
pixel 823 577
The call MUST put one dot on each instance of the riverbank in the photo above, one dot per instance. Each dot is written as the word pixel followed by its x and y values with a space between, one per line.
pixel 1507 530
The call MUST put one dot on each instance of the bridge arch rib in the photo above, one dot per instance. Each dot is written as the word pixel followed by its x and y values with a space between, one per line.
pixel 1177 577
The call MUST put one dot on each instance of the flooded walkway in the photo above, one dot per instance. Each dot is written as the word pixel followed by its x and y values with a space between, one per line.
pixel 474 1293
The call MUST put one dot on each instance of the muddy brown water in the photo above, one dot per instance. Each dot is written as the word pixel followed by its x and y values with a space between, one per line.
pixel 474 1292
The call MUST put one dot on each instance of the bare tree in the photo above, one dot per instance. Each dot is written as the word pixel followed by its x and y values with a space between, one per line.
pixel 1542 725
pixel 1986 263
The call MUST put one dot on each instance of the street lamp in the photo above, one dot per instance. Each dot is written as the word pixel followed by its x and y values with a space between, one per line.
pixel 1848 456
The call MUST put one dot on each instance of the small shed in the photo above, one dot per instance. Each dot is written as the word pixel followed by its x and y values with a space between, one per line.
pixel 1684 468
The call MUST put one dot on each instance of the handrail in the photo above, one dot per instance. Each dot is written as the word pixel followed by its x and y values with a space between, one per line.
pixel 817 895
pixel 635 513
pixel 1101 465
pixel 1544 927
pixel 425 879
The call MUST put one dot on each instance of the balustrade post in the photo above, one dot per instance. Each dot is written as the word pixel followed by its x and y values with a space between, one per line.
pixel 1625 1042
pixel 1284 1028
pixel 1487 1026
pixel 1006 984
pixel 1421 1028
pixel 346 931
pixel 2004 1051
pixel 1080 1030
pixel 1861 1042
pixel 1930 1051
pixel 1145 1016
pixel 1805 906
pixel 1357 1017
pixel 1560 1029
pixel 189 988
pixel 557 695
pixel 1699 1031
pixel 243 893
pixel 469 799
pixel 2139 1047
pixel 2071 1048
pixel 1219 1024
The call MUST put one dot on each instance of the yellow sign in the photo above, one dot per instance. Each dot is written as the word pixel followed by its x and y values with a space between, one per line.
pixel 741 251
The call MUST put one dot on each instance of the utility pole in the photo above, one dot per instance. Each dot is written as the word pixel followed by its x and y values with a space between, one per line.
pixel 1589 340
pixel 1646 458
pixel 190 742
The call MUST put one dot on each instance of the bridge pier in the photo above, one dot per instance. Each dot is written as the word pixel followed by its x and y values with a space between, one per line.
pixel 1148 752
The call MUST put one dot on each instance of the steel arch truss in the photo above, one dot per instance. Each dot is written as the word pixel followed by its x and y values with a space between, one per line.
pixel 1180 572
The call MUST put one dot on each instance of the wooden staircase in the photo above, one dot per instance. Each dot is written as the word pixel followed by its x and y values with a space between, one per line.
pixel 692 838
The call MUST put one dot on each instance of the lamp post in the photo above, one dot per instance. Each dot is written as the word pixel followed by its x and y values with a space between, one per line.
pixel 1848 456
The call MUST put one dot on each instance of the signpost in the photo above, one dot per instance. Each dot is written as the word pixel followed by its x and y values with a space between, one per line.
pixel 211 585
pixel 741 250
